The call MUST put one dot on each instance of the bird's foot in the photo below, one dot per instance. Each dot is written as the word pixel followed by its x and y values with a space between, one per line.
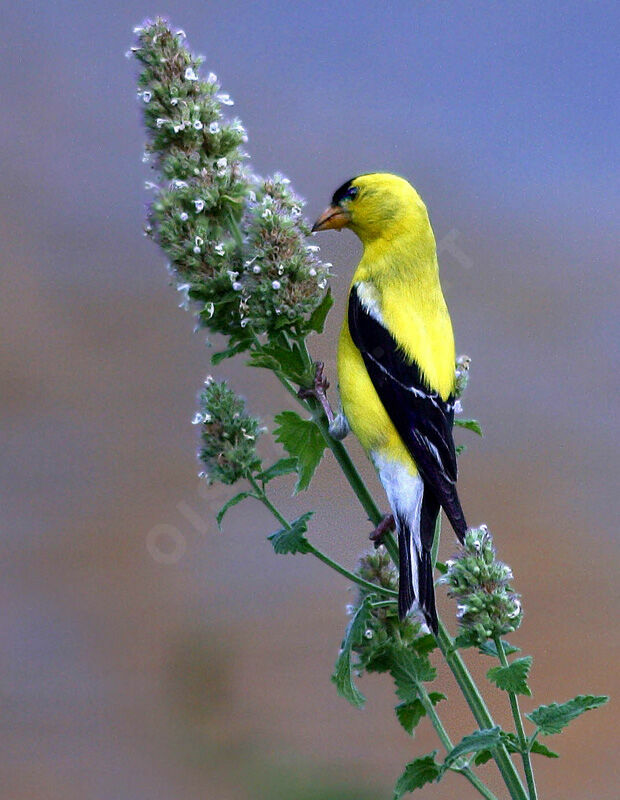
pixel 318 390
pixel 386 524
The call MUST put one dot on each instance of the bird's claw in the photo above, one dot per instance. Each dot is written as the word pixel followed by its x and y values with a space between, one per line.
pixel 386 524
pixel 318 390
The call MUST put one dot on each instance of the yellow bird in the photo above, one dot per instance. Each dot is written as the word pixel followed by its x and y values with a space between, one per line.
pixel 396 369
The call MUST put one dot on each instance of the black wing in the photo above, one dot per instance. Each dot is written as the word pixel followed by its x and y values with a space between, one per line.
pixel 423 420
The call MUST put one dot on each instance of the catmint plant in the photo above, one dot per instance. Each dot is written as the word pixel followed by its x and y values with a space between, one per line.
pixel 237 249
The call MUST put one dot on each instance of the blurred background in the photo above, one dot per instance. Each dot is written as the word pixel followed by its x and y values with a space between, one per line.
pixel 144 654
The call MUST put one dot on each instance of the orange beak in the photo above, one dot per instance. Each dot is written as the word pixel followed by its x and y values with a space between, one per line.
pixel 333 217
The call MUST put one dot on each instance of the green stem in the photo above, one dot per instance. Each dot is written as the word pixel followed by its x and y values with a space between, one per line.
pixel 351 576
pixel 516 714
pixel 480 711
pixel 442 733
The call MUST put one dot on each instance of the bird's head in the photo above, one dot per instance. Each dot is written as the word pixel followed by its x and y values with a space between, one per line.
pixel 375 205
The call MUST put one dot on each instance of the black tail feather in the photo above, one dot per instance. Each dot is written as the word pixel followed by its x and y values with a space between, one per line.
pixel 408 592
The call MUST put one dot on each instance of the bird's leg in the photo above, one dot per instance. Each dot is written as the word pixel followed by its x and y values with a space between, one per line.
pixel 386 524
pixel 319 391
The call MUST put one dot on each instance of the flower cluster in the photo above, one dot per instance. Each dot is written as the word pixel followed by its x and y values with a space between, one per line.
pixel 487 605
pixel 228 434
pixel 383 626
pixel 235 242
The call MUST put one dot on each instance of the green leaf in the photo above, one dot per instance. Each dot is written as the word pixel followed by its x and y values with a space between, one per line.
pixel 231 351
pixel 409 714
pixel 470 424
pixel 485 739
pixel 318 316
pixel 466 638
pixel 512 678
pixel 408 671
pixel 553 718
pixel 417 774
pixel 538 747
pixel 229 504
pixel 292 541
pixel 283 466
pixel 353 636
pixel 282 356
pixel 302 440
pixel 489 649
pixel 482 757
pixel 424 644
pixel 441 567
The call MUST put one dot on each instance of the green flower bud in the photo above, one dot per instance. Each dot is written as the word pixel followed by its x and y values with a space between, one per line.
pixel 487 606
pixel 228 434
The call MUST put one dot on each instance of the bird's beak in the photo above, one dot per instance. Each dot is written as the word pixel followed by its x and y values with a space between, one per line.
pixel 333 217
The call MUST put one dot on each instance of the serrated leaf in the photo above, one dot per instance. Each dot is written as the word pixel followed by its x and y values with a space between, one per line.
pixel 465 639
pixel 408 671
pixel 436 697
pixel 409 714
pixel 231 351
pixel 417 774
pixel 553 718
pixel 380 659
pixel 424 644
pixel 284 466
pixel 485 739
pixel 482 757
pixel 229 504
pixel 489 649
pixel 318 316
pixel 303 441
pixel 354 633
pixel 292 541
pixel 539 747
pixel 470 424
pixel 441 567
pixel 512 678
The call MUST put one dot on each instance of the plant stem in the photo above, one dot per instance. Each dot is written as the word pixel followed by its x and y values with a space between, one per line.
pixel 447 742
pixel 480 711
pixel 351 576
pixel 516 714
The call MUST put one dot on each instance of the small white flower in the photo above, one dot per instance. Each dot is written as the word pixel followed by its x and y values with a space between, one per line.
pixel 174 101
pixel 196 250
pixel 312 272
pixel 296 211
pixel 210 309
pixel 183 216
pixel 232 274
pixel 225 99
pixel 312 248
pixel 208 380
pixel 150 186
pixel 198 241
pixel 252 196
pixel 368 634
pixel 458 407
pixel 281 269
pixel 181 33
pixel 146 157
pixel 199 203
pixel 284 181
pixel 221 165
pixel 256 269
pixel 322 284
pixel 214 127
pixel 190 75
pixel 138 29
pixel 178 126
pixel 327 264
pixel 146 96
pixel 212 77
pixel 266 214
pixel 160 122
pixel 198 419
pixel 197 125
pixel 237 286
pixel 244 322
pixel 219 248
pixel 275 285
pixel 179 184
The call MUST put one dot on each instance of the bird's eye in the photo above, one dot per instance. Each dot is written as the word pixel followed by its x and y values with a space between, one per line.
pixel 351 193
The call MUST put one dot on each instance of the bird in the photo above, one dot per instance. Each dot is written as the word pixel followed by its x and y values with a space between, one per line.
pixel 396 370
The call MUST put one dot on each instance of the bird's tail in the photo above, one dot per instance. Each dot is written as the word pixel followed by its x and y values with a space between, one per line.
pixel 416 577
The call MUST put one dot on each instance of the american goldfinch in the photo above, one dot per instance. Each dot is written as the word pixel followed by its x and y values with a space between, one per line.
pixel 396 369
